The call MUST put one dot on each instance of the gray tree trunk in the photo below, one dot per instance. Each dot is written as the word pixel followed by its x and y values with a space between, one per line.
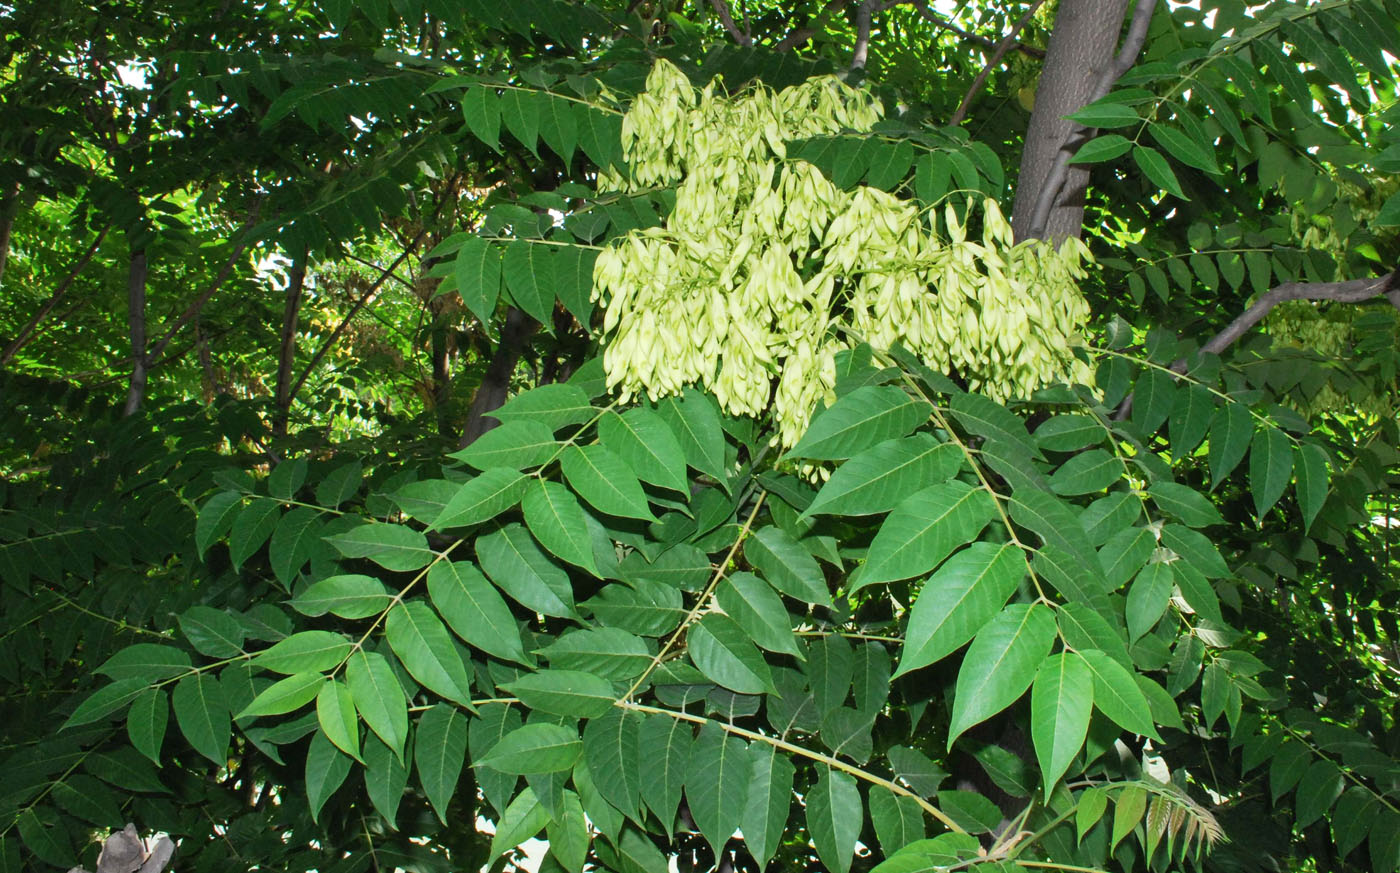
pixel 1081 46
pixel 136 325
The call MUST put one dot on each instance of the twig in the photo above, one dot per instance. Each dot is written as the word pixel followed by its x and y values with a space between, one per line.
pixel 198 303
pixel 1352 291
pixel 721 8
pixel 1127 56
pixel 997 54
pixel 921 7
pixel 28 330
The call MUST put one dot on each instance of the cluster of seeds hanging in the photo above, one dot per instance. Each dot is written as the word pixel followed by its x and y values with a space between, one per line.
pixel 764 269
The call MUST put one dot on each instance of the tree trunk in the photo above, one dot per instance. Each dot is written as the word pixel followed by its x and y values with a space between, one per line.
pixel 1081 48
pixel 495 385
pixel 136 324
pixel 286 357
pixel 9 208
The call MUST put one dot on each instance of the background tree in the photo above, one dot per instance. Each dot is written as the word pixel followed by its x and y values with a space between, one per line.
pixel 326 537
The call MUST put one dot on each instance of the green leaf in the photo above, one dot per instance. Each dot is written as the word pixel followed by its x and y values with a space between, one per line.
pixel 694 419
pixel 958 600
pixel 830 668
pixel 212 631
pixel 609 652
pixel 1069 433
pixel 535 748
pixel 1270 467
pixel 1128 808
pixel 528 268
pixel 339 485
pixel 641 607
pixel 568 835
pixel 834 816
pixel 758 609
pixel 391 546
pixel 254 524
pixel 573 280
pixel 521 113
pixel 522 820
pixel 1230 432
pixel 1190 419
pixel 1105 147
pixel 898 820
pixel 1185 503
pixel 786 565
pixel 215 518
pixel 439 750
pixel 555 518
pixel 1310 467
pixel 1062 700
pixel 326 769
pixel 612 748
pixel 1090 808
pixel 722 651
pixel 1157 170
pixel 481 108
pixel 716 785
pixel 1117 696
pixel 1000 664
pixel 647 445
pixel 425 648
pixel 1148 598
pixel 483 498
pixel 284 695
pixel 47 843
pixel 378 696
pixel 858 421
pixel 923 530
pixel 916 770
pixel 664 743
pixel 146 722
pixel 1196 550
pixel 293 542
pixel 202 714
pixel 556 405
pixel 105 701
pixel 335 713
pixel 604 480
pixel 768 800
pixel 349 596
pixel 386 777
pixel 313 651
pixel 558 126
pixel 1103 114
pixel 877 479
pixel 515 445
pixel 1184 148
pixel 475 611
pixel 993 422
pixel 150 661
pixel 564 692
pixel 1086 473
pixel 424 500
pixel 515 562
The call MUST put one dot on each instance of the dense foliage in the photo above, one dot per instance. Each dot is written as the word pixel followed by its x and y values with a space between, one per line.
pixel 432 426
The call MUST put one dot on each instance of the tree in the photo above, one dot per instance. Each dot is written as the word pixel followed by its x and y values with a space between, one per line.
pixel 657 438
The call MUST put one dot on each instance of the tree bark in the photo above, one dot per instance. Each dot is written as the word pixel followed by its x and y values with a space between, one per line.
pixel 1080 49
pixel 286 356
pixel 136 325
pixel 495 385
pixel 9 208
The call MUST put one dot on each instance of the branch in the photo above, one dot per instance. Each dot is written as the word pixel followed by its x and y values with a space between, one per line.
pixel 1127 56
pixel 721 8
pixel 807 31
pixel 1353 291
pixel 198 303
pixel 921 7
pixel 862 48
pixel 997 54
pixel 28 330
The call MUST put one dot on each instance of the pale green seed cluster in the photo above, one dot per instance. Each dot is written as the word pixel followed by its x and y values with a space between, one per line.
pixel 1330 332
pixel 764 269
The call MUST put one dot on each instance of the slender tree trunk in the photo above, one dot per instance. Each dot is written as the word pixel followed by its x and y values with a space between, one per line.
pixel 9 208
pixel 28 330
pixel 136 324
pixel 1081 47
pixel 495 385
pixel 442 373
pixel 286 357
pixel 206 363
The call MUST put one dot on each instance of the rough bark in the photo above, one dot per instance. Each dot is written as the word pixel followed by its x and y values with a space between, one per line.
pixel 1080 49
pixel 495 385
pixel 287 350
pixel 136 327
